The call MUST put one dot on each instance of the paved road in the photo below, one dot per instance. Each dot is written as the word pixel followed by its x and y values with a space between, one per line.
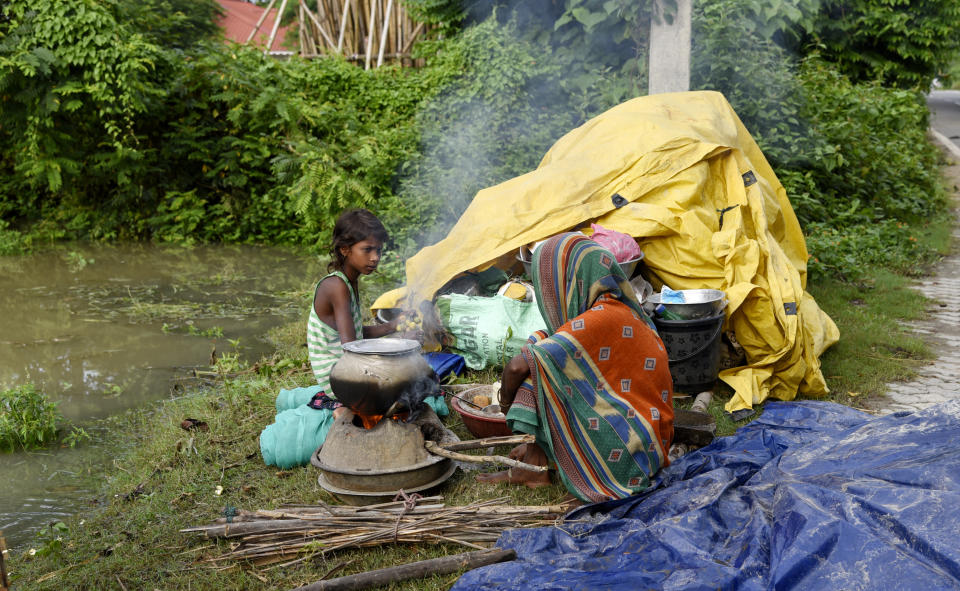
pixel 939 381
pixel 945 113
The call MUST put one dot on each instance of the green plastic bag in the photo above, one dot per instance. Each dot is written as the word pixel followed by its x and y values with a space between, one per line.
pixel 487 331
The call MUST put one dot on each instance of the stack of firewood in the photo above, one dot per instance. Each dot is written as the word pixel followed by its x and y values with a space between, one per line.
pixel 293 533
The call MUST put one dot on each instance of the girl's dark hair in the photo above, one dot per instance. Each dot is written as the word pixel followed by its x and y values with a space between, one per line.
pixel 353 226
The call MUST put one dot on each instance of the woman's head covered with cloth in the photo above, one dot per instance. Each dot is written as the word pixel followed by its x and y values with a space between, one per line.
pixel 598 395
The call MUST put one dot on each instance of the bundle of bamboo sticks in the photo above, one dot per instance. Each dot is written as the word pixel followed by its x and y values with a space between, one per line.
pixel 370 31
pixel 268 537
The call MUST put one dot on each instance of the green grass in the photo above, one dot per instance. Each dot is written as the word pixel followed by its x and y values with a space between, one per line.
pixel 165 478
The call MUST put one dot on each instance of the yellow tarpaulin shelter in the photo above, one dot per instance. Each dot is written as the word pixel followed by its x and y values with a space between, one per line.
pixel 681 174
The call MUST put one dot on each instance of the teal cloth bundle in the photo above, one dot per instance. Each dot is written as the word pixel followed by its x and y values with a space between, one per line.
pixel 290 399
pixel 294 435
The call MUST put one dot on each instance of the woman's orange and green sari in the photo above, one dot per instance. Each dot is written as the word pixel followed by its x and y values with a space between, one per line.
pixel 599 398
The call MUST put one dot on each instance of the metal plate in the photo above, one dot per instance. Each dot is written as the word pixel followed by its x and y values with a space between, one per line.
pixel 382 346
pixel 358 498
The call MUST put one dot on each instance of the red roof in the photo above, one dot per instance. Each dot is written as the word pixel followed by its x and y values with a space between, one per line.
pixel 241 17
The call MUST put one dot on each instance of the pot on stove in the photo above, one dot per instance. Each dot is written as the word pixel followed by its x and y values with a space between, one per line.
pixel 374 373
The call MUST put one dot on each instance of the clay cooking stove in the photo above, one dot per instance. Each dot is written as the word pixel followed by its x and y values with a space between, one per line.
pixel 362 466
pixel 371 453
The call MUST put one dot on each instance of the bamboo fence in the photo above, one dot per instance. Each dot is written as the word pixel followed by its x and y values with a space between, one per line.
pixel 371 32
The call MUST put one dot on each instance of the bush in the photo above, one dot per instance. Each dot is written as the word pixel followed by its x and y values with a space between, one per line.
pixel 882 165
pixel 28 419
pixel 901 43
pixel 844 253
pixel 854 158
pixel 68 108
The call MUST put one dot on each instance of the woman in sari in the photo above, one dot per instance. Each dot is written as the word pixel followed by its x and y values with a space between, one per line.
pixel 594 389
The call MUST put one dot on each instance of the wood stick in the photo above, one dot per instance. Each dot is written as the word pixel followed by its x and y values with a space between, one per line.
pixel 413 570
pixel 413 37
pixel 343 26
pixel 320 28
pixel 369 53
pixel 259 24
pixel 4 582
pixel 276 26
pixel 302 32
pixel 384 31
pixel 359 57
pixel 309 34
pixel 433 448
pixel 354 509
pixel 244 528
pixel 488 442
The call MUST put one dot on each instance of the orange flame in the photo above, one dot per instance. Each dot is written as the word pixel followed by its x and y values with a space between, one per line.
pixel 369 422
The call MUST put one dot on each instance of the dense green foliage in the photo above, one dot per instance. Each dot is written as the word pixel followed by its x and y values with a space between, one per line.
pixel 901 43
pixel 73 80
pixel 173 24
pixel 256 149
pixel 853 158
pixel 146 130
pixel 28 418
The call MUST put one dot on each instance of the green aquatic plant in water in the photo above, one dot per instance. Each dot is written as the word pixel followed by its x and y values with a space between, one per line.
pixel 28 419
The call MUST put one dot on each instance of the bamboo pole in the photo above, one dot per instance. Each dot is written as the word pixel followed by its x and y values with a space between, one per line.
pixel 320 28
pixel 343 25
pixel 414 570
pixel 433 448
pixel 259 24
pixel 302 32
pixel 322 15
pixel 413 37
pixel 384 31
pixel 369 52
pixel 276 26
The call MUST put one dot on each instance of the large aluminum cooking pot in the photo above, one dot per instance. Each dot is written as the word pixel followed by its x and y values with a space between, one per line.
pixel 373 373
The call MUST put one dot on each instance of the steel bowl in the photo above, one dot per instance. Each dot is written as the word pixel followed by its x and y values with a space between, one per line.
pixel 698 303
pixel 385 315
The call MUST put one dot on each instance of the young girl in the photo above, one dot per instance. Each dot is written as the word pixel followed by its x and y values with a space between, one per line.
pixel 335 317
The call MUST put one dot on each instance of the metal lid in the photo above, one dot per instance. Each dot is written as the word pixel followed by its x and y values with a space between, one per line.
pixel 382 346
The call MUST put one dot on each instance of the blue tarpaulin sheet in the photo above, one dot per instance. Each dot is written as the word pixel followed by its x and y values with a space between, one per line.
pixel 811 495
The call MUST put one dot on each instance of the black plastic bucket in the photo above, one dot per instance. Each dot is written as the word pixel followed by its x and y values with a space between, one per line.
pixel 693 349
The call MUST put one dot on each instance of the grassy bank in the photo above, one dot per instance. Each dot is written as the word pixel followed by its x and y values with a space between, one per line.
pixel 164 478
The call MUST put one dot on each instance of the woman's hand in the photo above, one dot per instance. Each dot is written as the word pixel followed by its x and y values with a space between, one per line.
pixel 514 372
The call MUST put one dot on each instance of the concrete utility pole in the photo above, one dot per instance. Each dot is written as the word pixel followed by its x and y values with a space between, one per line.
pixel 669 66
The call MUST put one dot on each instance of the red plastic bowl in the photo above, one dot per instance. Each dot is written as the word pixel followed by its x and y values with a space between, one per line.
pixel 480 426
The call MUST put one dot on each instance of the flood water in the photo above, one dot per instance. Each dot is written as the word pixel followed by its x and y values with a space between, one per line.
pixel 102 329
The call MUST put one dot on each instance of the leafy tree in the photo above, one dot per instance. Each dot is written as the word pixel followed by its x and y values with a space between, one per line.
pixel 73 80
pixel 172 24
pixel 901 43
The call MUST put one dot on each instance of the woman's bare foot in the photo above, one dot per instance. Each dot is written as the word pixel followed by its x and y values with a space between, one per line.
pixel 528 453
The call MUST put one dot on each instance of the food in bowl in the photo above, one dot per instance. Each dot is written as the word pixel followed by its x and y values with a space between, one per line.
pixel 481 422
